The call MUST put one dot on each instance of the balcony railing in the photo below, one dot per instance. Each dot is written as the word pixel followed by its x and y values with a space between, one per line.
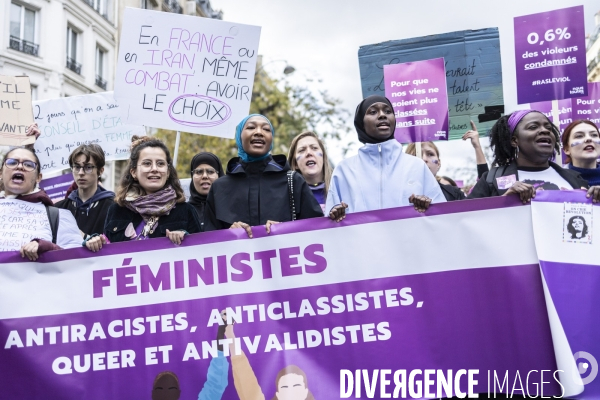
pixel 100 82
pixel 73 65
pixel 23 46
pixel 174 6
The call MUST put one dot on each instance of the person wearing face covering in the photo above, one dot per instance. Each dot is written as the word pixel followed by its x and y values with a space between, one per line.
pixel 205 169
pixel 381 175
pixel 256 190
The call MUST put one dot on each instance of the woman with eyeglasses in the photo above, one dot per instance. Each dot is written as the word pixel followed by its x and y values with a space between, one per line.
pixel 150 202
pixel 205 169
pixel 90 202
pixel 38 227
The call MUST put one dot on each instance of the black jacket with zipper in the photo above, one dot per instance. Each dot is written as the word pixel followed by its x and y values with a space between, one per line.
pixel 257 192
pixel 91 214
pixel 483 188
pixel 182 217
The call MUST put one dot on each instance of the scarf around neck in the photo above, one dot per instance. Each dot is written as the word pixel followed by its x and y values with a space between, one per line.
pixel 151 205
pixel 37 196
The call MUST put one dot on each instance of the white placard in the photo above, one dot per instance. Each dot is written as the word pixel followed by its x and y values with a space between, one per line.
pixel 21 221
pixel 68 122
pixel 186 73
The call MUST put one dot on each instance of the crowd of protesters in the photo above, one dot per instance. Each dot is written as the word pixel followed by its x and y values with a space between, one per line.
pixel 260 188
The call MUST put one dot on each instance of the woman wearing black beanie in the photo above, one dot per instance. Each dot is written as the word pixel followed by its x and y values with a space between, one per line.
pixel 205 169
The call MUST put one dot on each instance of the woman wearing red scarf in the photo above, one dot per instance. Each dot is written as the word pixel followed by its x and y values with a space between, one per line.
pixel 149 201
pixel 31 232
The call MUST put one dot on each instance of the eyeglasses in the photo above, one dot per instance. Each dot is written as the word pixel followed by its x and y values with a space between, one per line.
pixel 13 163
pixel 88 169
pixel 201 171
pixel 146 165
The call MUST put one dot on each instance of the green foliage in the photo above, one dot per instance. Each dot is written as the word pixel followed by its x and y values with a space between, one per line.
pixel 291 109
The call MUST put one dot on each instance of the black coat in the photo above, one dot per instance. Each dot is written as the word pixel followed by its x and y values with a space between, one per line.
pixel 484 189
pixel 91 215
pixel 257 192
pixel 452 193
pixel 182 217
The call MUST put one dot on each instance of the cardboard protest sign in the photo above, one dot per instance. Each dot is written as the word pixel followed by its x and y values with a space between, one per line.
pixel 417 91
pixel 550 55
pixel 186 73
pixel 56 187
pixel 68 122
pixel 473 73
pixel 15 110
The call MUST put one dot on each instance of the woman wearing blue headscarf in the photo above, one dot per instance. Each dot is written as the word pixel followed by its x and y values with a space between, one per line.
pixel 256 190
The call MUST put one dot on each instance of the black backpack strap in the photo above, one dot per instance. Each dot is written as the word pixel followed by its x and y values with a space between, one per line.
pixel 53 218
pixel 290 178
pixel 495 172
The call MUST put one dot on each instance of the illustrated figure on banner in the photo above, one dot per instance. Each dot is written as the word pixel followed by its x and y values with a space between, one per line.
pixel 577 227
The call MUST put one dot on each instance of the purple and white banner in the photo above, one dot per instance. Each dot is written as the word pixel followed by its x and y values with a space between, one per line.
pixel 588 107
pixel 550 55
pixel 418 94
pixel 57 186
pixel 385 302
pixel 567 238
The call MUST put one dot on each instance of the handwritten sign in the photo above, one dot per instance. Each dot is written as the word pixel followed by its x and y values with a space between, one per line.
pixel 186 73
pixel 418 94
pixel 15 110
pixel 56 187
pixel 550 55
pixel 68 122
pixel 20 222
pixel 473 72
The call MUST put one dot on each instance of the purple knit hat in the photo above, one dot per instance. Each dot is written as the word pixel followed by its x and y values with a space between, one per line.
pixel 516 117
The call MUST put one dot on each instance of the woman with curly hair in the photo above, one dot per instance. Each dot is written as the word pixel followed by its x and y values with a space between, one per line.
pixel 524 143
pixel 581 144
pixel 150 202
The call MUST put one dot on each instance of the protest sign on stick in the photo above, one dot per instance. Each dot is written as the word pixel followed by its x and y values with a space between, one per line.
pixel 15 110
pixel 550 55
pixel 418 94
pixel 68 122
pixel 186 73
pixel 473 73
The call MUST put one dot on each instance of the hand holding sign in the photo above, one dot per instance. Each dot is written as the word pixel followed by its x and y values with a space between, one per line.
pixel 16 114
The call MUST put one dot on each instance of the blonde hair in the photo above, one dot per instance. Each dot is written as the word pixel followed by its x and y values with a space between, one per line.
pixel 412 149
pixel 327 170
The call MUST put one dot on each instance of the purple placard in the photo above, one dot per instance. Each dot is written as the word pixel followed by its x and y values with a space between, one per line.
pixel 418 94
pixel 56 188
pixel 550 55
pixel 588 107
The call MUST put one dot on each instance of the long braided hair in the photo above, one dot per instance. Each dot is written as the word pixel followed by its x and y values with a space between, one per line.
pixel 500 141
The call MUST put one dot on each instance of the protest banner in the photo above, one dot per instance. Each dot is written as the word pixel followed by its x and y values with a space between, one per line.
pixel 473 73
pixel 21 222
pixel 15 110
pixel 315 299
pixel 550 55
pixel 588 107
pixel 418 94
pixel 56 187
pixel 68 122
pixel 186 73
pixel 567 239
